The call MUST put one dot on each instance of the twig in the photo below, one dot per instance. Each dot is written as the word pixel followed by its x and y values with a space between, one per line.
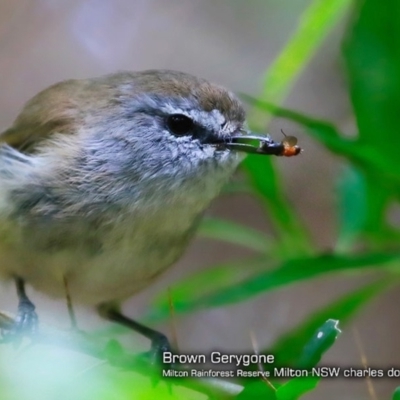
pixel 260 366
pixel 98 348
pixel 174 334
pixel 370 386
pixel 70 307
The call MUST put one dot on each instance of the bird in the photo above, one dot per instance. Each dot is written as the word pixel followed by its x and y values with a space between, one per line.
pixel 103 182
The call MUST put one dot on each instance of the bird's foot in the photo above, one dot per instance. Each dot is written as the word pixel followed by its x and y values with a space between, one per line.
pixel 160 347
pixel 26 323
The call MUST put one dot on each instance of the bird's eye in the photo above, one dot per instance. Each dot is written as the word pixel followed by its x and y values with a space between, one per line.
pixel 179 124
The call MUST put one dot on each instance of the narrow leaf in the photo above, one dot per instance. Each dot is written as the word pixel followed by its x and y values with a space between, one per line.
pixel 323 339
pixel 256 389
pixel 373 61
pixel 292 234
pixel 290 347
pixel 314 25
pixel 316 21
pixel 235 233
pixel 289 272
pixel 368 157
pixel 296 387
pixel 396 394
pixel 205 283
pixel 352 207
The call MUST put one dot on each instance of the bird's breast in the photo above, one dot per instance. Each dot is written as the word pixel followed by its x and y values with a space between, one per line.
pixel 109 241
pixel 101 260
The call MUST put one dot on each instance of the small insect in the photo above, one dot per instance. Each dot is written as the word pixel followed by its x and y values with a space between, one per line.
pixel 287 148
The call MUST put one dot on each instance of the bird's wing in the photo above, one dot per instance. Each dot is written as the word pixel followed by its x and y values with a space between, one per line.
pixel 66 106
pixel 24 138
pixel 51 111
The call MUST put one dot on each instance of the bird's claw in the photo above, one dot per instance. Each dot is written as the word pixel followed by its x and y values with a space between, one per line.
pixel 159 345
pixel 26 324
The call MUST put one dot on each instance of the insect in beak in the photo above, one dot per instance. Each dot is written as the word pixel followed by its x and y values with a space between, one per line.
pixel 260 144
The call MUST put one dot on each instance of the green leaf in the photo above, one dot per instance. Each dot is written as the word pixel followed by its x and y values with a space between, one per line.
pixel 318 342
pixel 314 25
pixel 289 348
pixel 396 394
pixel 295 349
pixel 256 390
pixel 324 337
pixel 293 236
pixel 377 200
pixel 381 179
pixel 352 207
pixel 366 156
pixel 290 271
pixel 323 131
pixel 235 233
pixel 322 340
pixel 296 387
pixel 204 283
pixel 373 61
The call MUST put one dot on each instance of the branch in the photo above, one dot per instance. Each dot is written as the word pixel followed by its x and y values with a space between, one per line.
pixel 112 352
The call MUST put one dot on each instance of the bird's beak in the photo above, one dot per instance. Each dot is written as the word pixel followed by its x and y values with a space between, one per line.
pixel 250 142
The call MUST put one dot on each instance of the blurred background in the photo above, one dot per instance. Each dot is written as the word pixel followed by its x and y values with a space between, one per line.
pixel 230 42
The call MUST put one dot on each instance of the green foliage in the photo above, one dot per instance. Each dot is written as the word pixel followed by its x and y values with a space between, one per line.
pixel 234 233
pixel 352 207
pixel 322 340
pixel 296 387
pixel 315 23
pixel 292 235
pixel 396 394
pixel 317 344
pixel 370 181
pixel 367 185
pixel 189 295
pixel 373 61
pixel 289 348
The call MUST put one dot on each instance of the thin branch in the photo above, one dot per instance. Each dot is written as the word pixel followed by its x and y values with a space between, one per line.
pixel 70 306
pixel 174 333
pixel 370 386
pixel 101 349
pixel 260 365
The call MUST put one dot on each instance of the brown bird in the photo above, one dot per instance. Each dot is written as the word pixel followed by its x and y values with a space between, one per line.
pixel 103 182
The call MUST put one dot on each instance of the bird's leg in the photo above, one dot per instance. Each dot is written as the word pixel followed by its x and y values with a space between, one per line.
pixel 70 306
pixel 159 342
pixel 26 321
